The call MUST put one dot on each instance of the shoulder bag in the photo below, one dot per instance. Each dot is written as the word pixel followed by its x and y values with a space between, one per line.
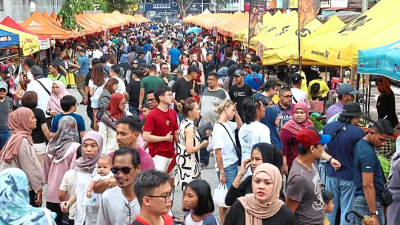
pixel 237 150
pixel 257 80
pixel 48 92
pixel 386 197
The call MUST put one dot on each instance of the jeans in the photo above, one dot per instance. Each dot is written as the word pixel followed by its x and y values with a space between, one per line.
pixel 343 191
pixel 134 110
pixel 230 174
pixel 55 207
pixel 4 135
pixel 204 154
pixel 360 205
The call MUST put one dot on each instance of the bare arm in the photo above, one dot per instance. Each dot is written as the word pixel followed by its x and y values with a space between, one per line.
pixel 388 90
pixel 369 190
pixel 102 186
pixel 62 195
pixel 62 68
pixel 292 205
pixel 190 148
pixel 90 189
pixel 147 136
pixel 91 91
pixel 141 97
pixel 218 158
pixel 51 134
pixel 239 122
pixel 46 131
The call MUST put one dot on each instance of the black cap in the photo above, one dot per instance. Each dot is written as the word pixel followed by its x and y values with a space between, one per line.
pixel 351 109
pixel 103 59
pixel 152 67
pixel 232 69
pixel 254 67
pixel 142 66
pixel 82 50
pixel 238 73
pixel 193 68
pixel 296 78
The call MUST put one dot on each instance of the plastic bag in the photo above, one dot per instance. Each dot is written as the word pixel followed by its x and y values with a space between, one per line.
pixel 220 194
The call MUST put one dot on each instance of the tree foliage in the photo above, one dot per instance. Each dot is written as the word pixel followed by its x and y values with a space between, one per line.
pixel 102 5
pixel 69 9
pixel 122 6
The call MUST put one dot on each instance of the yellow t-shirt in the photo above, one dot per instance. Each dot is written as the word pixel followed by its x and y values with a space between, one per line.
pixel 326 221
pixel 303 86
pixel 275 99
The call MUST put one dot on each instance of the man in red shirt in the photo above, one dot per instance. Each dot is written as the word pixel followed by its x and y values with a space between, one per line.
pixel 154 195
pixel 196 50
pixel 161 129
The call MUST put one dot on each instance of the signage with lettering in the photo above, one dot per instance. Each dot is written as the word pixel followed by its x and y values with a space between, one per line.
pixel 161 6
pixel 325 4
pixel 339 3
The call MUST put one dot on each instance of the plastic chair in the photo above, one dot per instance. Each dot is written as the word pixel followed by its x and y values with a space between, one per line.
pixel 335 83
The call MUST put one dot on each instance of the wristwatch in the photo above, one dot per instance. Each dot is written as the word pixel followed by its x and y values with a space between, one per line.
pixel 374 213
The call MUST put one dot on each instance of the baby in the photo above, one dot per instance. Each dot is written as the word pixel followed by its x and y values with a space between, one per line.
pixel 103 173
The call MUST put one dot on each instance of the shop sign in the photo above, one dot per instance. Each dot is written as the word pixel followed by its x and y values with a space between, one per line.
pixel 160 6
pixel 339 3
pixel 325 4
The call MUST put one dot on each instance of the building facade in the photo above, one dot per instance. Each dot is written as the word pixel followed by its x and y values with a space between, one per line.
pixel 19 10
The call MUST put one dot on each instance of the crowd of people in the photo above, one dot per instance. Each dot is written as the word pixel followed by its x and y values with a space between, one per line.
pixel 161 102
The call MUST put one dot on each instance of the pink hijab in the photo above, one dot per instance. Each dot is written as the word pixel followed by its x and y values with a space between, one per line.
pixel 292 126
pixel 19 126
pixel 54 102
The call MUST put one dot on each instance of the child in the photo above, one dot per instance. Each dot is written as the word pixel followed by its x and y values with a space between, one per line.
pixel 103 173
pixel 144 111
pixel 197 198
pixel 328 200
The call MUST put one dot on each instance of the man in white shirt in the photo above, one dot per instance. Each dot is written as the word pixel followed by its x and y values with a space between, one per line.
pixel 27 69
pixel 97 53
pixel 114 72
pixel 119 205
pixel 42 86
pixel 298 94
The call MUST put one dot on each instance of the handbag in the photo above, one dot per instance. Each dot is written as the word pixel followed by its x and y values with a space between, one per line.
pixel 386 197
pixel 237 150
pixel 220 194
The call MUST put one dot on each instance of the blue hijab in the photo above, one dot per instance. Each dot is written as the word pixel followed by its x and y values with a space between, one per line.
pixel 269 120
pixel 14 200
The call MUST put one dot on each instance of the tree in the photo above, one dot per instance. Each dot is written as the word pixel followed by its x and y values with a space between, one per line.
pixel 69 9
pixel 102 5
pixel 122 6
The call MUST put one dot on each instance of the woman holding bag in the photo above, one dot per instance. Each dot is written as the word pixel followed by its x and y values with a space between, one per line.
pixel 226 153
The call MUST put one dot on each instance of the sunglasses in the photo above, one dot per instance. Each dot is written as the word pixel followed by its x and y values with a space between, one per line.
pixel 124 170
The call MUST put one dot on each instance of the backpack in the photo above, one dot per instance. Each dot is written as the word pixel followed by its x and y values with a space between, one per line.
pixel 315 88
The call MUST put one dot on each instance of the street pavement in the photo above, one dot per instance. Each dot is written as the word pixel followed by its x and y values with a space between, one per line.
pixel 209 174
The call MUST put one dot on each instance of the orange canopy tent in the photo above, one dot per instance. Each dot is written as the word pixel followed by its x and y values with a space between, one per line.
pixel 53 15
pixel 94 23
pixel 38 25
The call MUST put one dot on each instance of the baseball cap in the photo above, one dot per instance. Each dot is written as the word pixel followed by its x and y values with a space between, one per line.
pixel 238 73
pixel 82 50
pixel 3 85
pixel 103 59
pixel 351 109
pixel 193 68
pixel 296 77
pixel 232 69
pixel 310 136
pixel 36 70
pixel 347 89
pixel 142 66
pixel 178 71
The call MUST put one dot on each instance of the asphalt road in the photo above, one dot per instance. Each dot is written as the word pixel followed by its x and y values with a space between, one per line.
pixel 209 174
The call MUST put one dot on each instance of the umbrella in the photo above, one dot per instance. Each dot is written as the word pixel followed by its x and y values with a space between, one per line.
pixel 381 61
pixel 195 30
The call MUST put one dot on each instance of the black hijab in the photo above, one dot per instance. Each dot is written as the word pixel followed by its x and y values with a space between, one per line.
pixel 270 154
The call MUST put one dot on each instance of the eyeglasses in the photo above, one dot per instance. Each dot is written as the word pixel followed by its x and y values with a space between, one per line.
pixel 287 96
pixel 165 68
pixel 170 95
pixel 3 90
pixel 124 170
pixel 150 100
pixel 167 197
pixel 135 63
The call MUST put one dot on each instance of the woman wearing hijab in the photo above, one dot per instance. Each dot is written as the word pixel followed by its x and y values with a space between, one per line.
pixel 18 152
pixel 57 93
pixel 108 122
pixel 14 201
pixel 264 206
pixel 289 131
pixel 261 153
pixel 271 120
pixel 59 158
pixel 87 208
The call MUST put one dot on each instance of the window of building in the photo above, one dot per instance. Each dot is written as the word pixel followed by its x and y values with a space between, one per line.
pixel 56 5
pixel 1 5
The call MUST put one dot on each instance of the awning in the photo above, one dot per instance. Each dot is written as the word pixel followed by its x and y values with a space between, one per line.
pixel 28 42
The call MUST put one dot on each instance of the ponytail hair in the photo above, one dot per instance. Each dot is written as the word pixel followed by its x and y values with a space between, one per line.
pixel 186 106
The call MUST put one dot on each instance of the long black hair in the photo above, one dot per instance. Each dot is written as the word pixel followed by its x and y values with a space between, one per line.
pixel 249 106
pixel 205 202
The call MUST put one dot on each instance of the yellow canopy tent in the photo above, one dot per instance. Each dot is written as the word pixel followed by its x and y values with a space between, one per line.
pixel 29 43
pixel 335 47
pixel 275 30
pixel 276 55
pixel 238 35
pixel 277 17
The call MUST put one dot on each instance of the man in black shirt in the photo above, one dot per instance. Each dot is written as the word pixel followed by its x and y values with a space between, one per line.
pixel 245 65
pixel 186 87
pixel 133 90
pixel 239 91
pixel 208 66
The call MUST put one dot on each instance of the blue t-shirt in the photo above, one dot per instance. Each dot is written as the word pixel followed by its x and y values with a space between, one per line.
pixel 147 47
pixel 79 120
pixel 342 148
pixel 252 82
pixel 83 61
pixel 366 160
pixel 174 53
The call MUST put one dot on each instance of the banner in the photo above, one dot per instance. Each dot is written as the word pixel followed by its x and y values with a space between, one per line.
pixel 339 3
pixel 257 11
pixel 308 9
pixel 293 4
pixel 325 4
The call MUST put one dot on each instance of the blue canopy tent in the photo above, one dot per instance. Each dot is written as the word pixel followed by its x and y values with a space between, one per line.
pixel 8 39
pixel 195 30
pixel 384 60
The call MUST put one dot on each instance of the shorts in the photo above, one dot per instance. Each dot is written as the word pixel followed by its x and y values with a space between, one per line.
pixel 40 148
pixel 95 102
pixel 230 174
pixel 162 163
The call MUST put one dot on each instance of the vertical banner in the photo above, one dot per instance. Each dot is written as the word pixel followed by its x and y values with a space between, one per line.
pixel 308 9
pixel 257 11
